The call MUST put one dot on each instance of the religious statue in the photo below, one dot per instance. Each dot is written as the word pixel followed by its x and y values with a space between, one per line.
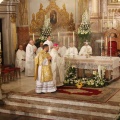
pixel 23 12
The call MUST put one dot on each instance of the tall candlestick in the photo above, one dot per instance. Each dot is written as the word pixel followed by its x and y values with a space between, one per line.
pixel 110 47
pixel 101 46
pixel 33 37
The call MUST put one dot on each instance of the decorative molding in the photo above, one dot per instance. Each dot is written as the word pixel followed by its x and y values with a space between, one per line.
pixel 63 20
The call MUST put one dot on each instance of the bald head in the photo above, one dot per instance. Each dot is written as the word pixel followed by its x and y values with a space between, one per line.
pixel 71 44
pixel 31 42
pixel 20 47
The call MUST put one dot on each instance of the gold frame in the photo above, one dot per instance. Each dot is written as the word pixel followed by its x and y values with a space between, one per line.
pixel 113 3
pixel 64 22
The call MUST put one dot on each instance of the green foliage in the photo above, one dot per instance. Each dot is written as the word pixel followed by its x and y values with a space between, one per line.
pixel 71 79
pixel 44 32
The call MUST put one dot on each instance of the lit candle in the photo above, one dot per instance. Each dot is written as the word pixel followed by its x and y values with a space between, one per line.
pixel 33 37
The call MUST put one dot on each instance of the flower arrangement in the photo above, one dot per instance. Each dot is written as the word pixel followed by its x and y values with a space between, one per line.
pixel 44 32
pixel 71 79
pixel 84 30
pixel 71 76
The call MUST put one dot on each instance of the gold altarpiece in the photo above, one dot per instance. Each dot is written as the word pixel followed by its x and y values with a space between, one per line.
pixel 63 20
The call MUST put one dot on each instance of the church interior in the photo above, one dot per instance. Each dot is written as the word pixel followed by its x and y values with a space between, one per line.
pixel 91 89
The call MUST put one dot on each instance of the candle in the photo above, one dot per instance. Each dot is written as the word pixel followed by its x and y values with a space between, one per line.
pixel 113 20
pixel 64 40
pixel 106 42
pixel 58 36
pixel 108 19
pixel 101 46
pixel 45 17
pixel 110 47
pixel 73 38
pixel 68 41
pixel 33 37
pixel 103 19
pixel 101 42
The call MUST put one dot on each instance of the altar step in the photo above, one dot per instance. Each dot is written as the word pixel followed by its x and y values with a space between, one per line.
pixel 58 109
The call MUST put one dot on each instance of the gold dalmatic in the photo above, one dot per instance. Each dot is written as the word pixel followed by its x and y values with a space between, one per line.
pixel 46 71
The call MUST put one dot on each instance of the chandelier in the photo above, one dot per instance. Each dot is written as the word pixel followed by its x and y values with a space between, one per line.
pixel 1 1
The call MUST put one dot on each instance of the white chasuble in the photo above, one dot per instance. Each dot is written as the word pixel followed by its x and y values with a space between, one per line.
pixel 62 51
pixel 29 64
pixel 85 50
pixel 20 59
pixel 49 43
pixel 72 51
pixel 57 67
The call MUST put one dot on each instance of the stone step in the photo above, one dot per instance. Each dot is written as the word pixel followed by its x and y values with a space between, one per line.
pixel 49 114
pixel 62 107
pixel 65 102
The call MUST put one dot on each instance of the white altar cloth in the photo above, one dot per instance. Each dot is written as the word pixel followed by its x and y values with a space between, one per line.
pixel 94 61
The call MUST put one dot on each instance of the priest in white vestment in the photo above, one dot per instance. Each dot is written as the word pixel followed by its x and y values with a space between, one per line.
pixel 40 48
pixel 30 55
pixel 62 49
pixel 43 72
pixel 57 66
pixel 49 43
pixel 85 50
pixel 20 58
pixel 34 47
pixel 72 50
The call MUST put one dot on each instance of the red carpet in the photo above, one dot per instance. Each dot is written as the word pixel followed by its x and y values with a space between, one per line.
pixel 81 91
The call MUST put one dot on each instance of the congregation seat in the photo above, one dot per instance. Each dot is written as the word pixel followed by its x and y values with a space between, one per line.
pixel 9 73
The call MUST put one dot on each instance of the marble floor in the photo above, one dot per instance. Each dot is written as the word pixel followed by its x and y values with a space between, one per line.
pixel 16 117
pixel 26 84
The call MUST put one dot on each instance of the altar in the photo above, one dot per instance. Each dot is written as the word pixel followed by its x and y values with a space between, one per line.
pixel 92 63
